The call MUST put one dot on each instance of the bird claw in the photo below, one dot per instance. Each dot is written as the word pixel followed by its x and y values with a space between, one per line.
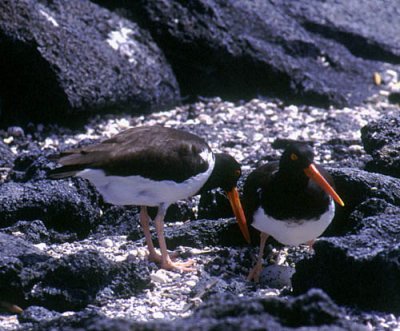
pixel 255 272
pixel 178 266
pixel 157 258
pixel 170 264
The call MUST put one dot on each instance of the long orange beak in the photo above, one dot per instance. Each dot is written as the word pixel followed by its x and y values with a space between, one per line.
pixel 233 197
pixel 313 173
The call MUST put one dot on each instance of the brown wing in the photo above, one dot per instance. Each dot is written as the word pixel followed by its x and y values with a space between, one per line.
pixel 153 152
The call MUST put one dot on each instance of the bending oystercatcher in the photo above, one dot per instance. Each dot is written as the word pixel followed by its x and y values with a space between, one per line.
pixel 154 166
pixel 290 200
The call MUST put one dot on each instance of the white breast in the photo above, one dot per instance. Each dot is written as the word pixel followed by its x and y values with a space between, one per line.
pixel 137 190
pixel 293 233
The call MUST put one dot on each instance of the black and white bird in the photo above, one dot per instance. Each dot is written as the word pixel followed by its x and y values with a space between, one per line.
pixel 291 200
pixel 154 166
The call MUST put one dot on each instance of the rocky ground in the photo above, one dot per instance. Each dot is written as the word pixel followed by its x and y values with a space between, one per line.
pixel 143 297
pixel 74 72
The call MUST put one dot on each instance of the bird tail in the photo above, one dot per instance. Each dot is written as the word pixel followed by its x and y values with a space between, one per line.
pixel 63 172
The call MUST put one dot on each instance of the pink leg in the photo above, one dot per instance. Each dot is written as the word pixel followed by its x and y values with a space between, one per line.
pixel 256 271
pixel 145 223
pixel 310 244
pixel 166 262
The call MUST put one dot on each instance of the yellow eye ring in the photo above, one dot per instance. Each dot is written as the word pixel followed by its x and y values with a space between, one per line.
pixel 294 157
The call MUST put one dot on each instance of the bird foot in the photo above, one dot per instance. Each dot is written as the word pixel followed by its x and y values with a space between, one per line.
pixel 156 258
pixel 178 266
pixel 255 272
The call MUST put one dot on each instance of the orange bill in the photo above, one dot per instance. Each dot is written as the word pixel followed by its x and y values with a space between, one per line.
pixel 233 197
pixel 313 173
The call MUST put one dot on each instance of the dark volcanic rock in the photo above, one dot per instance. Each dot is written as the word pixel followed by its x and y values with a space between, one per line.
pixel 124 220
pixel 314 310
pixel 129 278
pixel 37 314
pixel 346 153
pixel 36 232
pixel 362 268
pixel 65 205
pixel 18 262
pixel 30 277
pixel 356 186
pixel 119 221
pixel 88 320
pixel 366 28
pixel 62 56
pixel 6 156
pixel 239 49
pixel 381 139
pixel 394 97
pixel 30 166
pixel 201 233
pixel 179 211
pixel 74 281
pixel 214 205
pixel 71 282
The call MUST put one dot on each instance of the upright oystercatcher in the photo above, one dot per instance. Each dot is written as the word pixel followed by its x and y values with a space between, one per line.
pixel 290 200
pixel 154 166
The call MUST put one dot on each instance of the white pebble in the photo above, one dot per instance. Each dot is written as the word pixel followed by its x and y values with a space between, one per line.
pixel 107 243
pixel 190 283
pixel 158 315
pixel 41 246
pixel 159 276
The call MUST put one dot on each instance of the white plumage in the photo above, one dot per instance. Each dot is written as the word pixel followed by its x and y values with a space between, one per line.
pixel 293 233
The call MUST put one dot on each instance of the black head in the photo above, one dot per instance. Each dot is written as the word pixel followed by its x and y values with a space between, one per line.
pixel 296 167
pixel 226 173
pixel 296 157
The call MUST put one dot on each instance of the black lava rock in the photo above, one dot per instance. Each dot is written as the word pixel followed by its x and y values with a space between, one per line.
pixel 201 233
pixel 64 205
pixel 37 314
pixel 6 156
pixel 31 166
pixel 361 268
pixel 36 232
pixel 381 139
pixel 394 97
pixel 119 221
pixel 88 320
pixel 214 205
pixel 29 277
pixel 356 186
pixel 346 153
pixel 130 277
pixel 179 211
pixel 19 261
pixel 75 56
pixel 124 220
pixel 298 51
pixel 314 311
pixel 366 28
pixel 71 282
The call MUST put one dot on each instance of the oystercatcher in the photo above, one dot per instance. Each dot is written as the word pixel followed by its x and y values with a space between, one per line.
pixel 290 200
pixel 154 166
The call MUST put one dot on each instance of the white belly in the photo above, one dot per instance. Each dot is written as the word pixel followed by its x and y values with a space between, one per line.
pixel 293 233
pixel 137 190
